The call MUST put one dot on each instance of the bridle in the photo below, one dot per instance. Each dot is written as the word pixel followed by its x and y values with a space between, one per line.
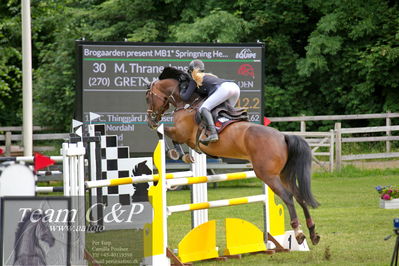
pixel 156 115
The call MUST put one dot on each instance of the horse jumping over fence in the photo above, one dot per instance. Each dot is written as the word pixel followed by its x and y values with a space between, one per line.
pixel 281 161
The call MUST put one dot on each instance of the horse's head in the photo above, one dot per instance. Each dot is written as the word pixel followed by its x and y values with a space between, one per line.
pixel 158 96
pixel 141 169
pixel 34 227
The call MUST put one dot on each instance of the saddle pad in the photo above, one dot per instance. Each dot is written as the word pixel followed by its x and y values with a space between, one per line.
pixel 223 122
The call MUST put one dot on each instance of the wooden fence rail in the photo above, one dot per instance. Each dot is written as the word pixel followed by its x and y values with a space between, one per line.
pixel 9 137
pixel 339 132
pixel 338 139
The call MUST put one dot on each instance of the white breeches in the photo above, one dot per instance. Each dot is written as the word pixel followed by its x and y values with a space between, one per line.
pixel 227 91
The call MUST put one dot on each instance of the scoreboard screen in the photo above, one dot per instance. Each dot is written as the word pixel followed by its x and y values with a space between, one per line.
pixel 112 79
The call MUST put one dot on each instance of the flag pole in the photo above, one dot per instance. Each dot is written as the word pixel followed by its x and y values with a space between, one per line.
pixel 27 129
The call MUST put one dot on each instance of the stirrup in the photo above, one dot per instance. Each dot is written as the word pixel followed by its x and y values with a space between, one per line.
pixel 209 139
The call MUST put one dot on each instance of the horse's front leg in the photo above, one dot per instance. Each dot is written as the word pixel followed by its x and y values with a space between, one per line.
pixel 177 152
pixel 172 133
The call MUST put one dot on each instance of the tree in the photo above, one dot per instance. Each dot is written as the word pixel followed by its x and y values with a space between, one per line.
pixel 322 57
pixel 352 56
pixel 10 65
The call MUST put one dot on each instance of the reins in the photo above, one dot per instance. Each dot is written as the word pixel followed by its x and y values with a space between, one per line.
pixel 191 106
pixel 168 99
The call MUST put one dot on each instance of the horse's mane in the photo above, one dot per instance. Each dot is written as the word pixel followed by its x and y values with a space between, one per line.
pixel 181 77
pixel 173 73
pixel 21 229
pixel 21 224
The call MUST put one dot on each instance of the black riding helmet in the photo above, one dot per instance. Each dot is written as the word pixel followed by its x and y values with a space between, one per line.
pixel 198 64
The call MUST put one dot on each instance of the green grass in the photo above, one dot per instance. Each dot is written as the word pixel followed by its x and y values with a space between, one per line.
pixel 351 224
pixel 349 220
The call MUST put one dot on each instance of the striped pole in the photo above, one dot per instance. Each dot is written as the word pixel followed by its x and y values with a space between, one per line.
pixel 133 180
pixel 177 175
pixel 174 179
pixel 46 173
pixel 28 159
pixel 210 178
pixel 120 181
pixel 49 189
pixel 217 203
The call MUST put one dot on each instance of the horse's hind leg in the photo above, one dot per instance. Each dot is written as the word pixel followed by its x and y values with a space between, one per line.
pixel 314 237
pixel 278 188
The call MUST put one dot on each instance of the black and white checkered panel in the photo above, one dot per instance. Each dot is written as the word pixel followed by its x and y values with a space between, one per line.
pixel 120 168
pixel 115 163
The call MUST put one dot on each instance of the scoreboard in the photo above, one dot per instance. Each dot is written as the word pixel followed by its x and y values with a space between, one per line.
pixel 112 79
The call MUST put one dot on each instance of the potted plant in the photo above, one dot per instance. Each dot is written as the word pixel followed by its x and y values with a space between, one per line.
pixel 389 197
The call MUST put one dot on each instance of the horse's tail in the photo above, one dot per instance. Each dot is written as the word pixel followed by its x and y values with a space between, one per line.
pixel 298 168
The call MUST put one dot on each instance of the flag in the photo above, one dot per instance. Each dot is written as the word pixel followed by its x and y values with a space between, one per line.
pixel 93 116
pixel 76 123
pixel 266 121
pixel 41 161
pixel 79 132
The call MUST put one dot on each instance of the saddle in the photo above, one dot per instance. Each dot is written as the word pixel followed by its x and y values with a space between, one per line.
pixel 224 115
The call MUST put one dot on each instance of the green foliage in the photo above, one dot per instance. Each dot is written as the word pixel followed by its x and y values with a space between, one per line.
pixel 10 65
pixel 353 55
pixel 322 57
pixel 10 86
pixel 218 26
pixel 54 92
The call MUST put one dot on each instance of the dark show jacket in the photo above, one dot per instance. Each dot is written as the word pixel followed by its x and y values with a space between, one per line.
pixel 209 85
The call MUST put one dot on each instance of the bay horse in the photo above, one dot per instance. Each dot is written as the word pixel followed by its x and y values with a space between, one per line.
pixel 281 161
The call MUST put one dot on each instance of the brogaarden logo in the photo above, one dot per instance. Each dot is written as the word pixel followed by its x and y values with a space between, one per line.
pixel 246 54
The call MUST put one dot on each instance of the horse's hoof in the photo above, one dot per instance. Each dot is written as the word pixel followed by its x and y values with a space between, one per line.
pixel 187 158
pixel 315 239
pixel 173 154
pixel 300 237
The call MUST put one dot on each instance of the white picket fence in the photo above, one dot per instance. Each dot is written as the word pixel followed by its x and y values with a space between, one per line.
pixel 335 138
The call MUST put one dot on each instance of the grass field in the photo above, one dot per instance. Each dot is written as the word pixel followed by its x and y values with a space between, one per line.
pixel 351 224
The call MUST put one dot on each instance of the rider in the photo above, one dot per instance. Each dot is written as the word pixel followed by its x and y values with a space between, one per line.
pixel 215 89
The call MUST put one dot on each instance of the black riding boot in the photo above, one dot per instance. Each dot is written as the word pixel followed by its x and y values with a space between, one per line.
pixel 210 125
